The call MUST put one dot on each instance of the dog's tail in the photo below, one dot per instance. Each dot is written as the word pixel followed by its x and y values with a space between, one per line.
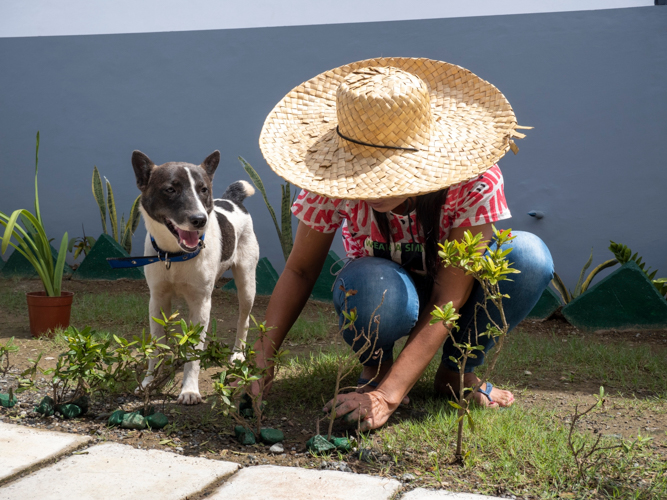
pixel 238 191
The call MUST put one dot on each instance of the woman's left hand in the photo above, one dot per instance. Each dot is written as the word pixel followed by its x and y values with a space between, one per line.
pixel 370 409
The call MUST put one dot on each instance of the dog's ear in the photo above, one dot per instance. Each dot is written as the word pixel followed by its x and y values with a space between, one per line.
pixel 211 163
pixel 143 166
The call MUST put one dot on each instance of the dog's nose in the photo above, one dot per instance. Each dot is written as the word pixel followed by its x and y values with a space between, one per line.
pixel 198 220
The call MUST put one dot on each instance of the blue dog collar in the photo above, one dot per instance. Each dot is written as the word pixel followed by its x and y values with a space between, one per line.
pixel 162 256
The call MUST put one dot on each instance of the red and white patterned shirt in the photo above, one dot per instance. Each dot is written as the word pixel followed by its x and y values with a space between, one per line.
pixel 471 203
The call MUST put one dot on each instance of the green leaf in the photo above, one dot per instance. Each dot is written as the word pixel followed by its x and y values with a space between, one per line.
pixel 577 288
pixel 98 193
pixel 286 220
pixel 111 204
pixel 60 265
pixel 257 181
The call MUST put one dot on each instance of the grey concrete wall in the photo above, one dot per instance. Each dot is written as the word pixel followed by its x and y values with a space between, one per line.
pixel 591 83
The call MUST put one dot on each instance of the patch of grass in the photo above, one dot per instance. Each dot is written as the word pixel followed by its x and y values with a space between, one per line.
pixel 639 367
pixel 305 330
pixel 13 301
pixel 122 314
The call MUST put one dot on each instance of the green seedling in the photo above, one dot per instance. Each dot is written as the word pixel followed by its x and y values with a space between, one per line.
pixel 489 267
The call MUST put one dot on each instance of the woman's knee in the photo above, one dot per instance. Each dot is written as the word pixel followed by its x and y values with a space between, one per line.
pixel 531 256
pixel 377 288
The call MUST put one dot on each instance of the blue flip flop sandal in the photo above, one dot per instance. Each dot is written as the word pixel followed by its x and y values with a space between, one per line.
pixel 487 391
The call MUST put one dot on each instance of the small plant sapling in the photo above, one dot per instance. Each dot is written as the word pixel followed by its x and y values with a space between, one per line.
pixel 80 372
pixel 6 349
pixel 9 347
pixel 82 244
pixel 587 458
pixel 364 342
pixel 489 267
pixel 169 354
pixel 234 384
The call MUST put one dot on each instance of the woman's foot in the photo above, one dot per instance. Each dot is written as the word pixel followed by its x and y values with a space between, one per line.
pixel 447 380
pixel 375 376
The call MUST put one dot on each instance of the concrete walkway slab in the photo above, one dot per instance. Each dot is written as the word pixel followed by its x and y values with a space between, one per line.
pixel 288 483
pixel 115 472
pixel 423 494
pixel 23 448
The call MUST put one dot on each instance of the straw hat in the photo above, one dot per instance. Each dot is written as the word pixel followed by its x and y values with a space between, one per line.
pixel 388 127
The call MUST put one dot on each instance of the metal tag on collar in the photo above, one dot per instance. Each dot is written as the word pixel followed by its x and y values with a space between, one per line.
pixel 167 262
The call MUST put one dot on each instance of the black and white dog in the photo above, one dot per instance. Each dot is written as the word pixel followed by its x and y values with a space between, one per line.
pixel 181 216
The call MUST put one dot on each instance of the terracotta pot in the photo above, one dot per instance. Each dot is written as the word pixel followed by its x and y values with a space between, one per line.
pixel 48 313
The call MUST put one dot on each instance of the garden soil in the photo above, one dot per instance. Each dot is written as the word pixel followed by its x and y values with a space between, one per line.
pixel 200 434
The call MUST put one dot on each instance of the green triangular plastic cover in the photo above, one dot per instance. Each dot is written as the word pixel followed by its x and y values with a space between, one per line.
pixel 546 306
pixel 266 278
pixel 322 290
pixel 96 267
pixel 626 299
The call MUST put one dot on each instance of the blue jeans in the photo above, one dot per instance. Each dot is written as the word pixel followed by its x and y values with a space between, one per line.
pixel 407 295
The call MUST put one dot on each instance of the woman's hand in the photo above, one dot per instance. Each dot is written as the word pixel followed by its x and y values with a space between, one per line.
pixel 370 409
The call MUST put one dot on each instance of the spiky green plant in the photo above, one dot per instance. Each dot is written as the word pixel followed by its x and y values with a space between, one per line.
pixel 582 285
pixel 285 229
pixel 122 232
pixel 623 254
pixel 32 242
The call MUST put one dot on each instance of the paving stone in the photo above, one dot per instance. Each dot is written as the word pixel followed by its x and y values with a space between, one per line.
pixel 22 448
pixel 288 483
pixel 422 494
pixel 115 472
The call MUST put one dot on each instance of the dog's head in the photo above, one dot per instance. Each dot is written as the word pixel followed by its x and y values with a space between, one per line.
pixel 177 195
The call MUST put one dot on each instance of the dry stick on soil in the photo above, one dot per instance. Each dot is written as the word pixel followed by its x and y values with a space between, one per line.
pixel 583 458
pixel 488 267
pixel 345 368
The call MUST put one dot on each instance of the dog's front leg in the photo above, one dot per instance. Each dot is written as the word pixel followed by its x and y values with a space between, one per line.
pixel 200 312
pixel 159 302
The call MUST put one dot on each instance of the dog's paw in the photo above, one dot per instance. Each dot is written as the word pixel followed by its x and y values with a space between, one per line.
pixel 237 355
pixel 144 383
pixel 189 398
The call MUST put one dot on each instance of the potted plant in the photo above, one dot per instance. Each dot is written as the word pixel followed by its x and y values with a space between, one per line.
pixel 50 308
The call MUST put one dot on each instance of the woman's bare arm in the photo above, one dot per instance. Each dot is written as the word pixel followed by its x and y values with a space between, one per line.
pixel 294 286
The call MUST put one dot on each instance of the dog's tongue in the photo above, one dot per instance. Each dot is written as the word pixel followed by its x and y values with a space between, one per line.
pixel 190 238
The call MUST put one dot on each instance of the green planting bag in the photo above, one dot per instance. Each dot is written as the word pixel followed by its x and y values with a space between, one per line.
pixel 156 420
pixel 133 421
pixel 150 411
pixel 46 406
pixel 83 402
pixel 319 444
pixel 243 435
pixel 6 401
pixel 271 436
pixel 342 444
pixel 116 418
pixel 69 410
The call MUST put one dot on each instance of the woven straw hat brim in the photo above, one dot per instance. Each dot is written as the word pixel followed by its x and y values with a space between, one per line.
pixel 472 128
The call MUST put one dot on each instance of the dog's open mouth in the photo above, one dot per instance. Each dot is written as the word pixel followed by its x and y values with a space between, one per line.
pixel 187 240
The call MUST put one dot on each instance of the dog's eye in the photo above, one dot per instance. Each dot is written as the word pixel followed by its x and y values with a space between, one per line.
pixel 170 190
pixel 204 190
